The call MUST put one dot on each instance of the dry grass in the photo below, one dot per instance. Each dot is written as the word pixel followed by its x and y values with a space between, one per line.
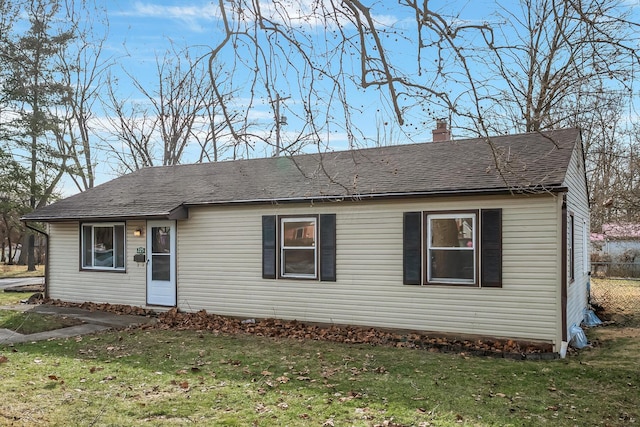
pixel 19 271
pixel 13 298
pixel 617 300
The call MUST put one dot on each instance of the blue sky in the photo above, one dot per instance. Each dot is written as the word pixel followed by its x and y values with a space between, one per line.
pixel 141 31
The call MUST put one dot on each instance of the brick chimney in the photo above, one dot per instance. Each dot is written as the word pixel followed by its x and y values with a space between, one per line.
pixel 441 132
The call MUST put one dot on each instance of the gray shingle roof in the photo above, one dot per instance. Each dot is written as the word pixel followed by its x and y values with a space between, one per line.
pixel 531 162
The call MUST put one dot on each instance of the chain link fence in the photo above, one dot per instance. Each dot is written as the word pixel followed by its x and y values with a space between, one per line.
pixel 616 299
pixel 602 269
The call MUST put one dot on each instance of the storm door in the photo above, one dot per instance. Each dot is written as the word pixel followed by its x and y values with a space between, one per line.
pixel 161 263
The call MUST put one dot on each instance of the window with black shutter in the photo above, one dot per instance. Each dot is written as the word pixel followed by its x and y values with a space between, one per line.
pixel 455 247
pixel 269 246
pixel 491 248
pixel 328 247
pixel 300 247
pixel 412 248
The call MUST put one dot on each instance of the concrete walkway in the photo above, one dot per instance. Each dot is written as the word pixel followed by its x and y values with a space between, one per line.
pixel 26 281
pixel 95 321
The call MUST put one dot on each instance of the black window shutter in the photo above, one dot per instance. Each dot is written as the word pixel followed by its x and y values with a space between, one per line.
pixel 491 248
pixel 328 247
pixel 269 248
pixel 412 248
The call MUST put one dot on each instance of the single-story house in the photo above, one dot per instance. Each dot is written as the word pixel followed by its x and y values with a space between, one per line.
pixel 485 237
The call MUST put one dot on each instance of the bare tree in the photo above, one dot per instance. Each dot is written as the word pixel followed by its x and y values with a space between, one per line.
pixel 131 128
pixel 177 120
pixel 546 60
pixel 519 70
pixel 214 139
pixel 607 157
pixel 532 66
pixel 83 68
pixel 623 202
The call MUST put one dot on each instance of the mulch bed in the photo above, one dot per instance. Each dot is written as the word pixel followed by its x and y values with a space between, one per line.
pixel 292 329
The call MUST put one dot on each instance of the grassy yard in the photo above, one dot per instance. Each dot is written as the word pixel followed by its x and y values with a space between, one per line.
pixel 159 377
pixel 19 271
pixel 12 298
pixel 31 323
pixel 151 377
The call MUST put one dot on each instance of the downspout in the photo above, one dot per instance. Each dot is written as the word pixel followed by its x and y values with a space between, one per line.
pixel 46 260
pixel 563 276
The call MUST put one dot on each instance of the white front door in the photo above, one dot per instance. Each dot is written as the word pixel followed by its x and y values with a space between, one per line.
pixel 161 263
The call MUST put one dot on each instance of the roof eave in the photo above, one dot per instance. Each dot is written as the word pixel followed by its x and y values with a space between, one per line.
pixel 552 189
pixel 102 218
pixel 181 211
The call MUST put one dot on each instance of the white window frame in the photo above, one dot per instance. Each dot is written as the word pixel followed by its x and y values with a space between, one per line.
pixel 283 221
pixel 453 215
pixel 93 225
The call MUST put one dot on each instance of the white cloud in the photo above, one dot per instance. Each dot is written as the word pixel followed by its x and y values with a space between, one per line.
pixel 194 16
pixel 313 14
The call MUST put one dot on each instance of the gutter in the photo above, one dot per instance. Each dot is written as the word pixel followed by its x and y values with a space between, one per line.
pixel 46 262
pixel 181 210
pixel 368 196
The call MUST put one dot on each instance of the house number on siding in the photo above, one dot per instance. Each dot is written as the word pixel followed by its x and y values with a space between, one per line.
pixel 140 250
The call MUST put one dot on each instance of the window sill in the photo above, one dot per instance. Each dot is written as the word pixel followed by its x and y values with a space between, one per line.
pixel 104 270
pixel 455 284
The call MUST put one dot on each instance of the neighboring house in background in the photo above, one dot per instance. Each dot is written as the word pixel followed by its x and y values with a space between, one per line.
pixel 15 253
pixel 472 237
pixel 620 241
pixel 616 251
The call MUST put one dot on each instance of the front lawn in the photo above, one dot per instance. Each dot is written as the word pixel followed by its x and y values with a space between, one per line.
pixel 31 323
pixel 159 377
pixel 167 377
pixel 13 298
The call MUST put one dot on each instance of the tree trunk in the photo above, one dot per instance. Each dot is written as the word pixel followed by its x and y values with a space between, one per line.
pixel 24 242
pixel 31 259
pixel 11 253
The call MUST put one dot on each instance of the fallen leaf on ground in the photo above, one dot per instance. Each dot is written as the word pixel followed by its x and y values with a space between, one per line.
pixel 174 319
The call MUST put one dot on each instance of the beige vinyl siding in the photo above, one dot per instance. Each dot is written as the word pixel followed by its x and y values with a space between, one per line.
pixel 219 269
pixel 68 283
pixel 578 204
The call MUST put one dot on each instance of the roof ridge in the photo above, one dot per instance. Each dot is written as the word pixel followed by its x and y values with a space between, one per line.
pixel 478 139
